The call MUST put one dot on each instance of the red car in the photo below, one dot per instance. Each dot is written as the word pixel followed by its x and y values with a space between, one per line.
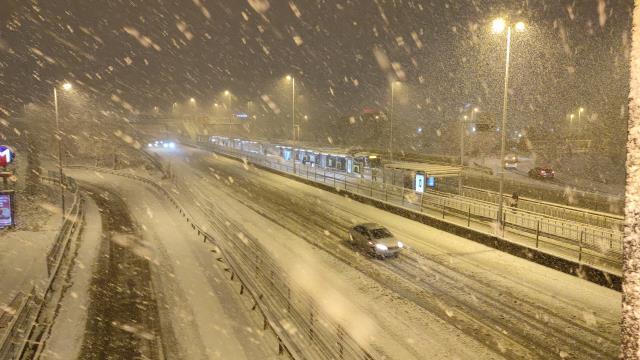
pixel 542 173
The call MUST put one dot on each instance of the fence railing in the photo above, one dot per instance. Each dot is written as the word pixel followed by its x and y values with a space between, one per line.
pixel 585 216
pixel 303 329
pixel 596 201
pixel 600 246
pixel 23 333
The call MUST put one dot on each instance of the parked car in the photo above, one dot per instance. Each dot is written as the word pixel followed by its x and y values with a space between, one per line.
pixel 375 239
pixel 542 173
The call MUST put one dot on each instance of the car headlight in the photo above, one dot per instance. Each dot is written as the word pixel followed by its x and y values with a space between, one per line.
pixel 400 244
pixel 149 145
pixel 382 247
pixel 172 145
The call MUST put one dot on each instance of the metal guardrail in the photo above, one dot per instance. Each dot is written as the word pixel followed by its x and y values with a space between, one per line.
pixel 19 337
pixel 303 329
pixel 15 337
pixel 596 201
pixel 598 243
pixel 586 216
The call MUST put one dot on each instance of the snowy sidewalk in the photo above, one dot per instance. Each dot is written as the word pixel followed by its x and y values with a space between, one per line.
pixel 23 255
pixel 68 330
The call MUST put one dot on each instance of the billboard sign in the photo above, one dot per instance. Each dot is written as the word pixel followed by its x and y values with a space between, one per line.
pixel 419 182
pixel 6 155
pixel 6 209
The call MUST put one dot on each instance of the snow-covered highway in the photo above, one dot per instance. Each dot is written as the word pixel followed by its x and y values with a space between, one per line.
pixel 458 298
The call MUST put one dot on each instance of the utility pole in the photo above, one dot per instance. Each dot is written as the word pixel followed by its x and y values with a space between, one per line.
pixel 505 102
pixel 55 101
pixel 391 122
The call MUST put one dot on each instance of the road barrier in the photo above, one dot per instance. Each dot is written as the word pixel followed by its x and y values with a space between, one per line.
pixel 303 330
pixel 583 243
pixel 584 216
pixel 596 201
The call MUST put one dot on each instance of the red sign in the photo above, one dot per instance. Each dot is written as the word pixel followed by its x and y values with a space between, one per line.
pixel 6 155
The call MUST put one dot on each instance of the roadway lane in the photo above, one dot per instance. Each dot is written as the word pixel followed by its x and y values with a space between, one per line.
pixel 512 307
pixel 198 313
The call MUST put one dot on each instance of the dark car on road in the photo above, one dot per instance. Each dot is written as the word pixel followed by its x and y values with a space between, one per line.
pixel 542 173
pixel 375 239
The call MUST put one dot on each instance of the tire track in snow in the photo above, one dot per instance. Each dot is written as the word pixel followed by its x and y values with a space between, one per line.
pixel 122 320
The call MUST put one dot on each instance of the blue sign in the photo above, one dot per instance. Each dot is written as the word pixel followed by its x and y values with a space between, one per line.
pixel 431 181
pixel 242 116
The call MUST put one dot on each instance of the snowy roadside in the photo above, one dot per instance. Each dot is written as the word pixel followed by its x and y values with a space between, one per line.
pixel 68 330
pixel 23 250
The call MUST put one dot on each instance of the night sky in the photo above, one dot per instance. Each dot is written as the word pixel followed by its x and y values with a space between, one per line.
pixel 342 52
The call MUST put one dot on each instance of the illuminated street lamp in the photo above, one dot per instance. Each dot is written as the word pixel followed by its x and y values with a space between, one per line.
pixel 192 101
pixel 227 93
pixel 571 126
pixel 580 111
pixel 66 87
pixel 293 120
pixel 498 26
pixel 462 123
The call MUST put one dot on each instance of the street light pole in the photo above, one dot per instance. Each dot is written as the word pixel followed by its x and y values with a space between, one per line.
pixel 462 122
pixel 228 95
pixel 293 121
pixel 391 123
pixel 580 110
pixel 55 102
pixel 503 136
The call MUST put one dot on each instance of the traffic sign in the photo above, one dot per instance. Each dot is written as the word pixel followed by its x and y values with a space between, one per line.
pixel 7 217
pixel 6 155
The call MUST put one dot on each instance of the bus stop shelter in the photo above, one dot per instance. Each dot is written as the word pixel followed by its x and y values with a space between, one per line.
pixel 419 176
